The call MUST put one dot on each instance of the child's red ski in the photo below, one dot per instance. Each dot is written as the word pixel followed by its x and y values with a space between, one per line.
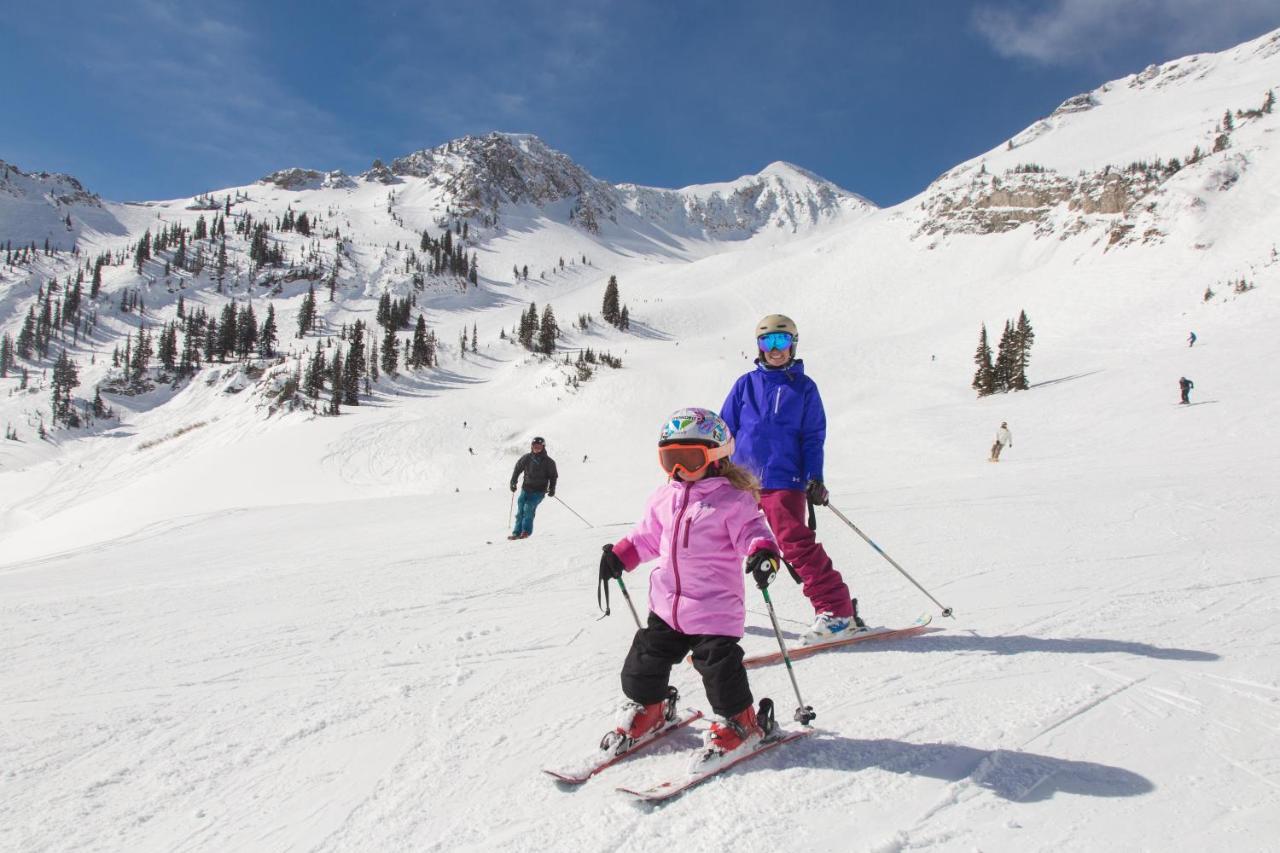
pixel 601 759
pixel 918 627
pixel 673 788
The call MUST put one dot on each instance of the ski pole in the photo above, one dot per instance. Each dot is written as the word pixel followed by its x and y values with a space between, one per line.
pixel 630 606
pixel 946 611
pixel 804 713
pixel 512 510
pixel 566 506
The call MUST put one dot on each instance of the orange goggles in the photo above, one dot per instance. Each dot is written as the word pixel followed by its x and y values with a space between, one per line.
pixel 690 458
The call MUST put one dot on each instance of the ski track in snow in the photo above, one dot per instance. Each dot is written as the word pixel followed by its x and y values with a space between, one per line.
pixel 311 634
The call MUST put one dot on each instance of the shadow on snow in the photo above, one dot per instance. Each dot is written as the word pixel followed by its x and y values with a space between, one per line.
pixel 1009 774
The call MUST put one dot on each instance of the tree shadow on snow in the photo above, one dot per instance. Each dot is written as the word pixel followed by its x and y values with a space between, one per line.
pixel 1009 774
pixel 1012 644
pixel 1063 379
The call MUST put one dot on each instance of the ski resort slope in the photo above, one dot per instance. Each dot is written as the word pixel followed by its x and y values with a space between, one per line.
pixel 328 643
pixel 228 629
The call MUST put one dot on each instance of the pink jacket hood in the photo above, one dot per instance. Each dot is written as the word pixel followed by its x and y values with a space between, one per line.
pixel 699 533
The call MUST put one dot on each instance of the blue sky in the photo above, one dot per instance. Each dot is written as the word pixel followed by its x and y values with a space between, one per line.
pixel 146 99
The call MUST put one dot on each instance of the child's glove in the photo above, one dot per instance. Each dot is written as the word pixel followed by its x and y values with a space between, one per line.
pixel 611 567
pixel 817 492
pixel 763 566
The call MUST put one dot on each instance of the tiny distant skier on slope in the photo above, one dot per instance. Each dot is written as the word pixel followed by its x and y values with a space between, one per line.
pixel 699 527
pixel 1186 385
pixel 540 477
pixel 1191 339
pixel 776 414
pixel 1003 439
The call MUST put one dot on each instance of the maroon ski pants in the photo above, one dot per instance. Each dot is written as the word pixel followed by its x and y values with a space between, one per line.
pixel 786 511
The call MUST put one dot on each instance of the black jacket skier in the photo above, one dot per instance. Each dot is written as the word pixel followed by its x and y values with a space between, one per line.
pixel 539 471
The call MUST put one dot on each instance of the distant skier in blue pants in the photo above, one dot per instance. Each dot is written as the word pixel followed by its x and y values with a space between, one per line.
pixel 1191 339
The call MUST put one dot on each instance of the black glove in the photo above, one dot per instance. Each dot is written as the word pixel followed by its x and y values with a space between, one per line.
pixel 817 492
pixel 763 566
pixel 551 493
pixel 611 567
pixel 513 487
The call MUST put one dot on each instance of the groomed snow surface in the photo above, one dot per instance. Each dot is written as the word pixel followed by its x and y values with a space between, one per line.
pixel 313 634
pixel 222 630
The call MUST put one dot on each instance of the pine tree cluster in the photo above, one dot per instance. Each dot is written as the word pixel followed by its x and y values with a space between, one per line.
pixel 1009 370
pixel 612 310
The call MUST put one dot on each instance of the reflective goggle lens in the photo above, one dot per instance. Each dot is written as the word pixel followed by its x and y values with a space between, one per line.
pixel 775 340
pixel 689 458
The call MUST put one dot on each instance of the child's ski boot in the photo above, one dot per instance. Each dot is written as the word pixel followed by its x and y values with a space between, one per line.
pixel 634 721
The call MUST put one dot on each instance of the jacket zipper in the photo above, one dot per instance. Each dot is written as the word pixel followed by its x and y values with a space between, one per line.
pixel 675 561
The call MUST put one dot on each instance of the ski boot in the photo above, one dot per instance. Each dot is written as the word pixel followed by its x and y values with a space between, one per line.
pixel 827 627
pixel 634 721
pixel 733 735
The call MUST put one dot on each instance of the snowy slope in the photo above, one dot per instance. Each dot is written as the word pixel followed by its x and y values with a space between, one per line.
pixel 224 631
pixel 55 209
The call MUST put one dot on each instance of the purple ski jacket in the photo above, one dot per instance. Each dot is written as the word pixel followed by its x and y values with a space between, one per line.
pixel 700 533
pixel 778 425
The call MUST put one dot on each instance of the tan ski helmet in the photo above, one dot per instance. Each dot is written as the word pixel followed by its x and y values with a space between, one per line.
pixel 779 323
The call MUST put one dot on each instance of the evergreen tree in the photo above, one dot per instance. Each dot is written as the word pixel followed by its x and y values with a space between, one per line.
pixel 211 337
pixel 1003 371
pixel 142 253
pixel 984 378
pixel 228 331
pixel 610 310
pixel 313 379
pixel 167 351
pixel 419 355
pixel 27 335
pixel 355 366
pixel 7 361
pixel 307 313
pixel 548 332
pixel 267 336
pixel 65 377
pixel 220 264
pixel 1023 338
pixel 141 356
pixel 335 375
pixel 624 319
pixel 246 332
pixel 528 326
pixel 390 352
pixel 44 329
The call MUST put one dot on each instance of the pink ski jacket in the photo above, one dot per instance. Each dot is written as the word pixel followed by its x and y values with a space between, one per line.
pixel 700 533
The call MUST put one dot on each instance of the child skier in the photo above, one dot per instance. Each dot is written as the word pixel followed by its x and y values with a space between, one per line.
pixel 699 526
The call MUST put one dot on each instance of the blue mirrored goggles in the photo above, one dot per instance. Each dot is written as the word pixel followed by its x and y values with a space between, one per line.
pixel 775 340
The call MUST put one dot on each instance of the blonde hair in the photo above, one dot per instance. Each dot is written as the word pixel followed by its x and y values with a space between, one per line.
pixel 740 478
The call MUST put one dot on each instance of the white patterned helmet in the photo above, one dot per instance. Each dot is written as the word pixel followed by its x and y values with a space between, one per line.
pixel 695 424
pixel 702 428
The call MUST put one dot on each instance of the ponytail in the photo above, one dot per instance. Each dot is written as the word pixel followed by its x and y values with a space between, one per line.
pixel 740 478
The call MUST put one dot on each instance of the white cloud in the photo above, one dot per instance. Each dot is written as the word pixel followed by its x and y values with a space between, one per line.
pixel 1075 32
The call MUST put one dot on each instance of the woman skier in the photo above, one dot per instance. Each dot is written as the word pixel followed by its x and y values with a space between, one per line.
pixel 699 527
pixel 776 412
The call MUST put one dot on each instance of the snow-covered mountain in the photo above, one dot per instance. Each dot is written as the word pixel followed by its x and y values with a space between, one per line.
pixel 1128 160
pixel 49 209
pixel 232 624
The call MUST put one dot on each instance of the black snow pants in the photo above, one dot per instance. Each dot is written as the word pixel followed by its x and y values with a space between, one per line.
pixel 657 647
